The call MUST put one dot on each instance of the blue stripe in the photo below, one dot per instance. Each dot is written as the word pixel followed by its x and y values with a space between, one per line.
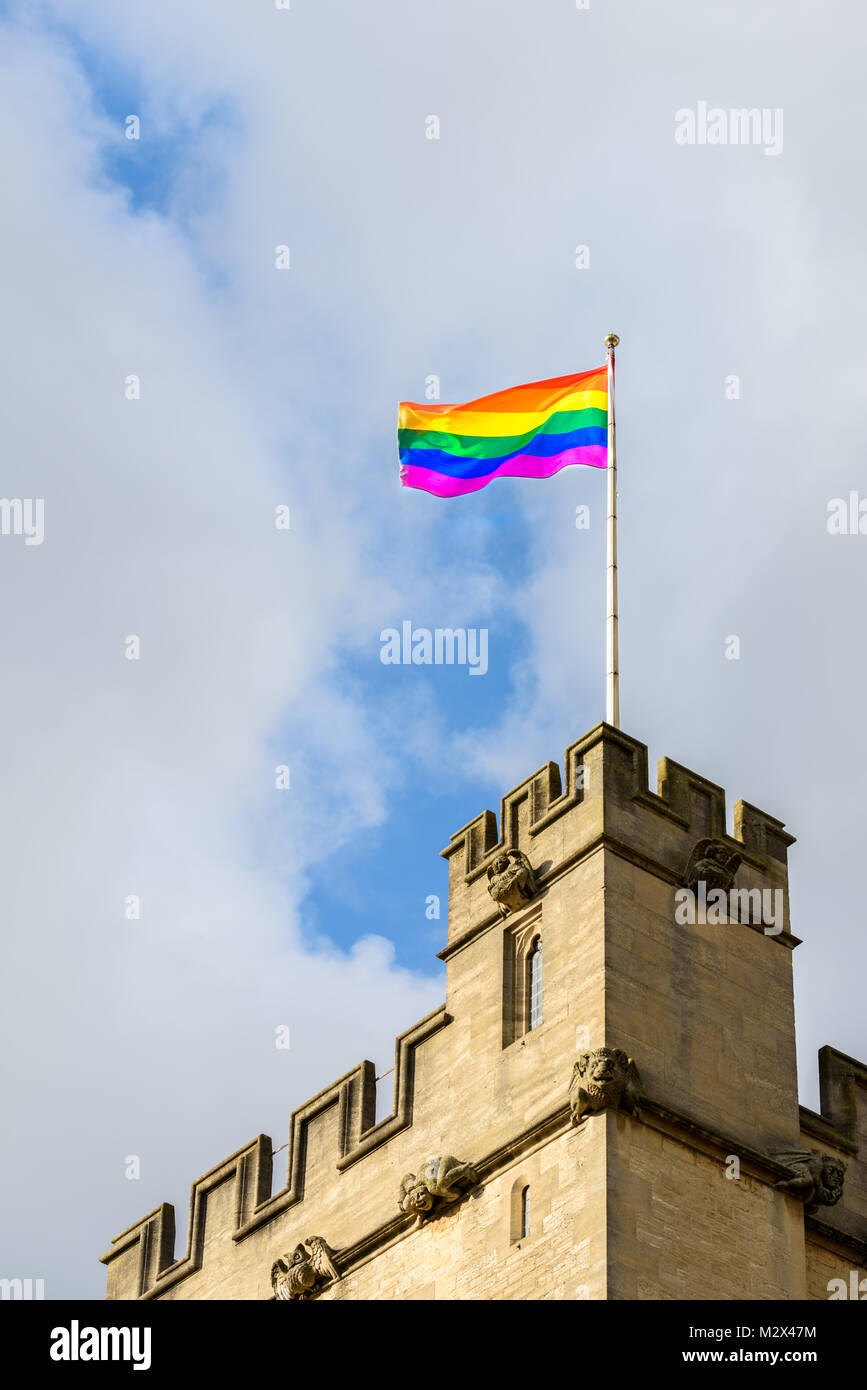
pixel 544 446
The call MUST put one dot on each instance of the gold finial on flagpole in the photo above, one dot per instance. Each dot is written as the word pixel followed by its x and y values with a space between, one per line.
pixel 612 655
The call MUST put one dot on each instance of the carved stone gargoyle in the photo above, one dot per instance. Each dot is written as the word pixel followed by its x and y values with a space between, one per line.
pixel 305 1272
pixel 817 1178
pixel 511 881
pixel 440 1180
pixel 711 863
pixel 606 1079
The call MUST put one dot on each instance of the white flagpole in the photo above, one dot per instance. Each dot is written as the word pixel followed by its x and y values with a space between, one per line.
pixel 612 666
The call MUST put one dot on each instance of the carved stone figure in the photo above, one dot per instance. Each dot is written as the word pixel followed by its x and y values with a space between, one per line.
pixel 511 881
pixel 606 1079
pixel 818 1178
pixel 440 1180
pixel 712 863
pixel 305 1272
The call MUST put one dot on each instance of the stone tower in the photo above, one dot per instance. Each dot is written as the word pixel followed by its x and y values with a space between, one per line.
pixel 605 1107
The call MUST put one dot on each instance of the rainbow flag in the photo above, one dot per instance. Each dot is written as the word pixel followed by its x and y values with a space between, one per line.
pixel 528 431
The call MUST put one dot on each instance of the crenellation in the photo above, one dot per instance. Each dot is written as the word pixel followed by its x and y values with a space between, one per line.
pixel 763 835
pixel 699 805
pixel 607 785
pixel 841 1131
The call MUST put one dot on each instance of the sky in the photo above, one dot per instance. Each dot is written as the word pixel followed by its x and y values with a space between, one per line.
pixel 166 388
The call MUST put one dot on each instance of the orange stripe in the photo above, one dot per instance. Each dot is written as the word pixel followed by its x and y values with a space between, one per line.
pixel 463 419
pixel 535 396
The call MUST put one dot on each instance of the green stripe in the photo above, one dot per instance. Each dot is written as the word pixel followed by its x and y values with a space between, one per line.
pixel 489 446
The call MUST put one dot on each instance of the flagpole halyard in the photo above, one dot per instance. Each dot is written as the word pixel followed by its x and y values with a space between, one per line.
pixel 612 658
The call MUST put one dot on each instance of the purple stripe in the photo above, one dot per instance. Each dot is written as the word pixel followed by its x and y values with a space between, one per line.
pixel 524 466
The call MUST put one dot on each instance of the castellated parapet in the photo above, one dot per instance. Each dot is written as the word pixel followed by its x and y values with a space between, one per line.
pixel 605 1106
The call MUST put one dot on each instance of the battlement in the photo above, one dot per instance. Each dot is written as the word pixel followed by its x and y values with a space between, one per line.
pixel 145 1250
pixel 605 797
pixel 338 1123
pixel 840 1129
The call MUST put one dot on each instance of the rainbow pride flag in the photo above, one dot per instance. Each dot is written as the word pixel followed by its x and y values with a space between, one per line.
pixel 528 431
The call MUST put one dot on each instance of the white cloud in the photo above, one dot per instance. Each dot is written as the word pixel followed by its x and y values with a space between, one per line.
pixel 155 777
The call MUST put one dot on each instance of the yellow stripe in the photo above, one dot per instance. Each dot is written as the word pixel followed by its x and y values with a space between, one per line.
pixel 459 420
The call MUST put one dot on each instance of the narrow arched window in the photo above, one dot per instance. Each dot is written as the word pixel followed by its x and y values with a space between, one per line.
pixel 519 1209
pixel 534 984
pixel 525 1212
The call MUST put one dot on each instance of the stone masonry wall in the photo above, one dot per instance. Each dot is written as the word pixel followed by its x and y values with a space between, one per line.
pixel 620 1208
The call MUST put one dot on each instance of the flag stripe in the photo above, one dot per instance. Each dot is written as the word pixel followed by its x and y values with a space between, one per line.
pixel 443 485
pixel 535 395
pixel 465 419
pixel 540 446
pixel 562 422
